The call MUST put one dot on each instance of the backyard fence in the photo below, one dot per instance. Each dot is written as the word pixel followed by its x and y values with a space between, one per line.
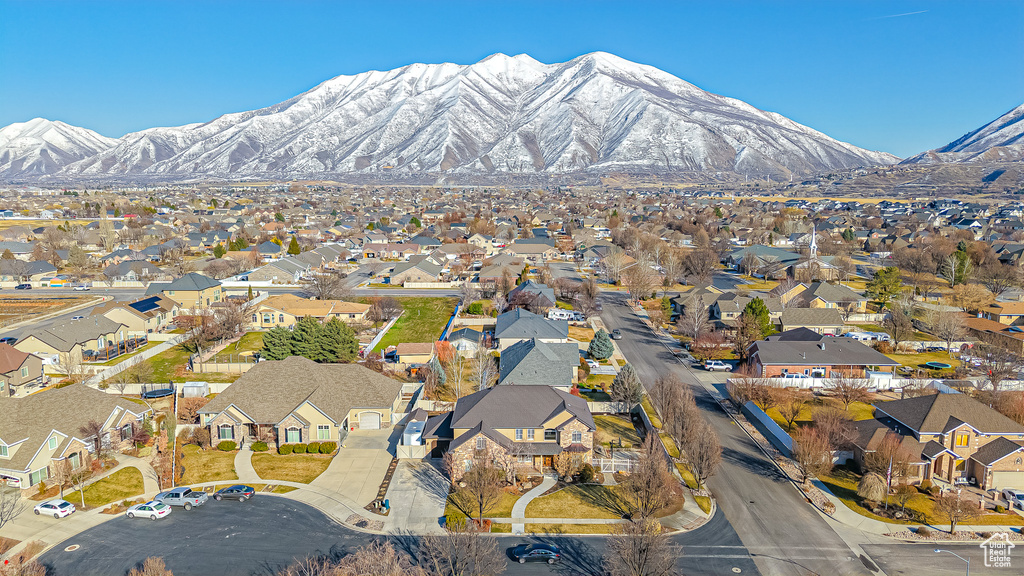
pixel 613 465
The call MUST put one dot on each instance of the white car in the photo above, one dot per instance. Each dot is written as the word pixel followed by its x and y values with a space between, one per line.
pixel 795 376
pixel 713 365
pixel 81 288
pixel 1014 497
pixel 58 508
pixel 592 363
pixel 152 510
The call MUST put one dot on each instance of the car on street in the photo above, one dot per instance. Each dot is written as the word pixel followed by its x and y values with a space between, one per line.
pixel 715 365
pixel 182 496
pixel 592 363
pixel 81 288
pixel 1014 496
pixel 616 334
pixel 8 340
pixel 55 508
pixel 536 553
pixel 23 287
pixel 152 510
pixel 238 492
pixel 77 317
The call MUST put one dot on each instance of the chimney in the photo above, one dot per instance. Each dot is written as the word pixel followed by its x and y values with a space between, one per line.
pixel 821 345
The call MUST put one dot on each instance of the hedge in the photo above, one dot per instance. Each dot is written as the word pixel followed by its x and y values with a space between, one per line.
pixel 299 448
pixel 285 449
pixel 260 447
pixel 328 447
pixel 227 445
pixel 313 447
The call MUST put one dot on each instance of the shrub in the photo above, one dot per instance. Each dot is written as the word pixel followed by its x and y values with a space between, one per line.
pixel 475 309
pixel 298 448
pixel 328 447
pixel 1000 509
pixel 260 447
pixel 586 474
pixel 227 445
pixel 884 347
pixel 42 488
pixel 924 531
pixel 313 448
pixel 935 490
pixel 926 485
pixel 285 449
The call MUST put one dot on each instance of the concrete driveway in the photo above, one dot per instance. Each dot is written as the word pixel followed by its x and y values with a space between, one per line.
pixel 417 496
pixel 358 469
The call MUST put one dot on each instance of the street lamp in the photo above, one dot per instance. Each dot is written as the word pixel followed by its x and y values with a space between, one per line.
pixel 968 560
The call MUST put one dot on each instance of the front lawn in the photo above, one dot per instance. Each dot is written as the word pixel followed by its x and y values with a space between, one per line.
pixel 580 501
pixel 120 485
pixel 503 509
pixel 581 334
pixel 302 468
pixel 558 529
pixel 206 465
pixel 423 320
pixel 615 429
pixel 857 411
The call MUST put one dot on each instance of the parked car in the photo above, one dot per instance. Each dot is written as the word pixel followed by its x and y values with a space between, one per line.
pixel 23 287
pixel 1014 496
pixel 934 349
pixel 77 317
pixel 536 553
pixel 238 492
pixel 182 496
pixel 151 510
pixel 8 340
pixel 592 363
pixel 57 508
pixel 795 376
pixel 616 334
pixel 713 365
pixel 81 288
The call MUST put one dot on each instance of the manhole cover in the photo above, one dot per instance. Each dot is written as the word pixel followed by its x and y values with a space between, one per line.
pixel 72 548
pixel 736 570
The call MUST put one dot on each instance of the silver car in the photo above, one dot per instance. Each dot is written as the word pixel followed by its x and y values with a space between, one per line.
pixel 182 496
pixel 152 510
pixel 1014 497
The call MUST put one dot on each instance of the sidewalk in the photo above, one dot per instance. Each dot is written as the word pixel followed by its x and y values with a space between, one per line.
pixel 519 508
pixel 244 468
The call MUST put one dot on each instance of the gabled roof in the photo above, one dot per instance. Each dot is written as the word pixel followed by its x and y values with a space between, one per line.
pixel 831 293
pixel 192 282
pixel 520 323
pixel 826 352
pixel 518 407
pixel 537 363
pixel 11 358
pixel 811 317
pixel 940 413
pixel 65 336
pixel 996 450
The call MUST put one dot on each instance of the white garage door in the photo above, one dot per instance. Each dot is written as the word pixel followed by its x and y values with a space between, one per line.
pixel 1002 480
pixel 369 421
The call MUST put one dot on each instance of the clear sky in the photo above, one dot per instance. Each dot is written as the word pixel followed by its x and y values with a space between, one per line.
pixel 899 76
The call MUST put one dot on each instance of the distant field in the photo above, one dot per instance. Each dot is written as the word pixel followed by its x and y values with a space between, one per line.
pixel 5 224
pixel 18 308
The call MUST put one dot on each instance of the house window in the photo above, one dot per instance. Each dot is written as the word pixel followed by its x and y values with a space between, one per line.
pixel 550 434
pixel 5 453
pixel 254 318
pixel 126 432
pixel 529 434
pixel 524 459
pixel 38 476
pixel 293 435
pixel 323 432
pixel 52 443
pixel 519 433
pixel 577 437
pixel 24 372
pixel 74 460
pixel 226 432
pixel 280 317
pixel 268 318
pixel 481 443
pixel 963 440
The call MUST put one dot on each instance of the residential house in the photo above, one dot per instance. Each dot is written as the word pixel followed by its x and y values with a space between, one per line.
pixel 21 271
pixel 535 251
pixel 418 268
pixel 20 372
pixel 540 296
pixel 144 315
pixel 729 306
pixel 287 270
pixel 132 271
pixel 1009 313
pixel 826 321
pixel 519 324
pixel 779 356
pixel 287 309
pixel 534 362
pixel 40 432
pixel 193 291
pixel 825 295
pixel 952 437
pixel 76 341
pixel 414 352
pixel 532 424
pixel 300 401
pixel 999 334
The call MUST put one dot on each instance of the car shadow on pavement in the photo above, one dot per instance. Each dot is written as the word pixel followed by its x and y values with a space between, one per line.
pixel 755 464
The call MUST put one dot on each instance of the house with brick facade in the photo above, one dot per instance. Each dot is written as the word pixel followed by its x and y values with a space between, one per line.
pixel 801 351
pixel 42 431
pixel 951 437
pixel 296 400
pixel 532 424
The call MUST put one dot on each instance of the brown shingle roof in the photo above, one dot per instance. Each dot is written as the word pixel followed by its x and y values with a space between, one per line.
pixel 11 358
pixel 939 413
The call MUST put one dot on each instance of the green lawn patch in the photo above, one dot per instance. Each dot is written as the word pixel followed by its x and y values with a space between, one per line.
pixel 651 413
pixel 688 478
pixel 206 465
pixel 563 305
pixel 580 501
pixel 123 357
pixel 670 445
pixel 599 381
pixel 302 468
pixel 917 360
pixel 612 428
pixel 423 320
pixel 704 502
pixel 250 342
pixel 856 411
pixel 120 485
pixel 502 510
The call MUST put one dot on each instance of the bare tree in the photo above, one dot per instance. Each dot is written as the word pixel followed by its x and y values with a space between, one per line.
pixel 461 551
pixel 890 458
pixel 847 389
pixel 11 506
pixel 956 509
pixel 812 453
pixel 640 281
pixel 700 264
pixel 326 286
pixel 188 409
pixel 152 566
pixel 835 425
pixel 482 490
pixel 484 366
pixel 71 364
pixel 898 325
pixel 948 327
pixel 998 363
pixel 696 319
pixel 703 450
pixel 791 405
pixel 999 278
pixel 640 549
pixel 93 430
pixel 649 483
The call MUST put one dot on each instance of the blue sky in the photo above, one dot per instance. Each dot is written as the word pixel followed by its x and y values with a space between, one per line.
pixel 899 76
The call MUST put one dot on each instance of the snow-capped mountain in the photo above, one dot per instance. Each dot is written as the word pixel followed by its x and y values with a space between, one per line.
pixel 1001 140
pixel 501 115
pixel 41 146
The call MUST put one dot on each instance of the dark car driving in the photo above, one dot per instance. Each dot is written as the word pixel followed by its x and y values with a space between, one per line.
pixel 238 492
pixel 536 553
pixel 23 287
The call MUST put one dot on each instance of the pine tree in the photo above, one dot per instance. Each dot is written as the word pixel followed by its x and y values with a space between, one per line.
pixel 276 344
pixel 760 311
pixel 249 298
pixel 303 341
pixel 601 346
pixel 219 251
pixel 293 247
pixel 336 343
pixel 626 387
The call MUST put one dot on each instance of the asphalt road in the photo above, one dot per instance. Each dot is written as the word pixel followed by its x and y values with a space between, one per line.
pixel 266 534
pixel 781 532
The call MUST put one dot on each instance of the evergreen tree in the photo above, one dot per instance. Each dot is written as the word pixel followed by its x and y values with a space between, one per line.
pixel 759 310
pixel 243 243
pixel 885 285
pixel 293 247
pixel 276 344
pixel 278 216
pixel 219 251
pixel 336 343
pixel 849 235
pixel 213 203
pixel 601 346
pixel 334 212
pixel 249 298
pixel 415 222
pixel 8 255
pixel 303 342
pixel 626 387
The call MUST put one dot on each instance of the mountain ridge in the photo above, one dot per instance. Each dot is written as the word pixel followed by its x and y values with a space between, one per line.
pixel 1001 140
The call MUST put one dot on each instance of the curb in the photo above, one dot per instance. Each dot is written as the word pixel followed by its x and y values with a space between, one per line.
pixel 51 315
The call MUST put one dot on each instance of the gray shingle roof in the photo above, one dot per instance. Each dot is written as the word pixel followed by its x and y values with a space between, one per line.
pixel 536 363
pixel 520 323
pixel 939 413
pixel 517 407
pixel 811 317
pixel 65 336
pixel 193 281
pixel 836 352
pixel 996 450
